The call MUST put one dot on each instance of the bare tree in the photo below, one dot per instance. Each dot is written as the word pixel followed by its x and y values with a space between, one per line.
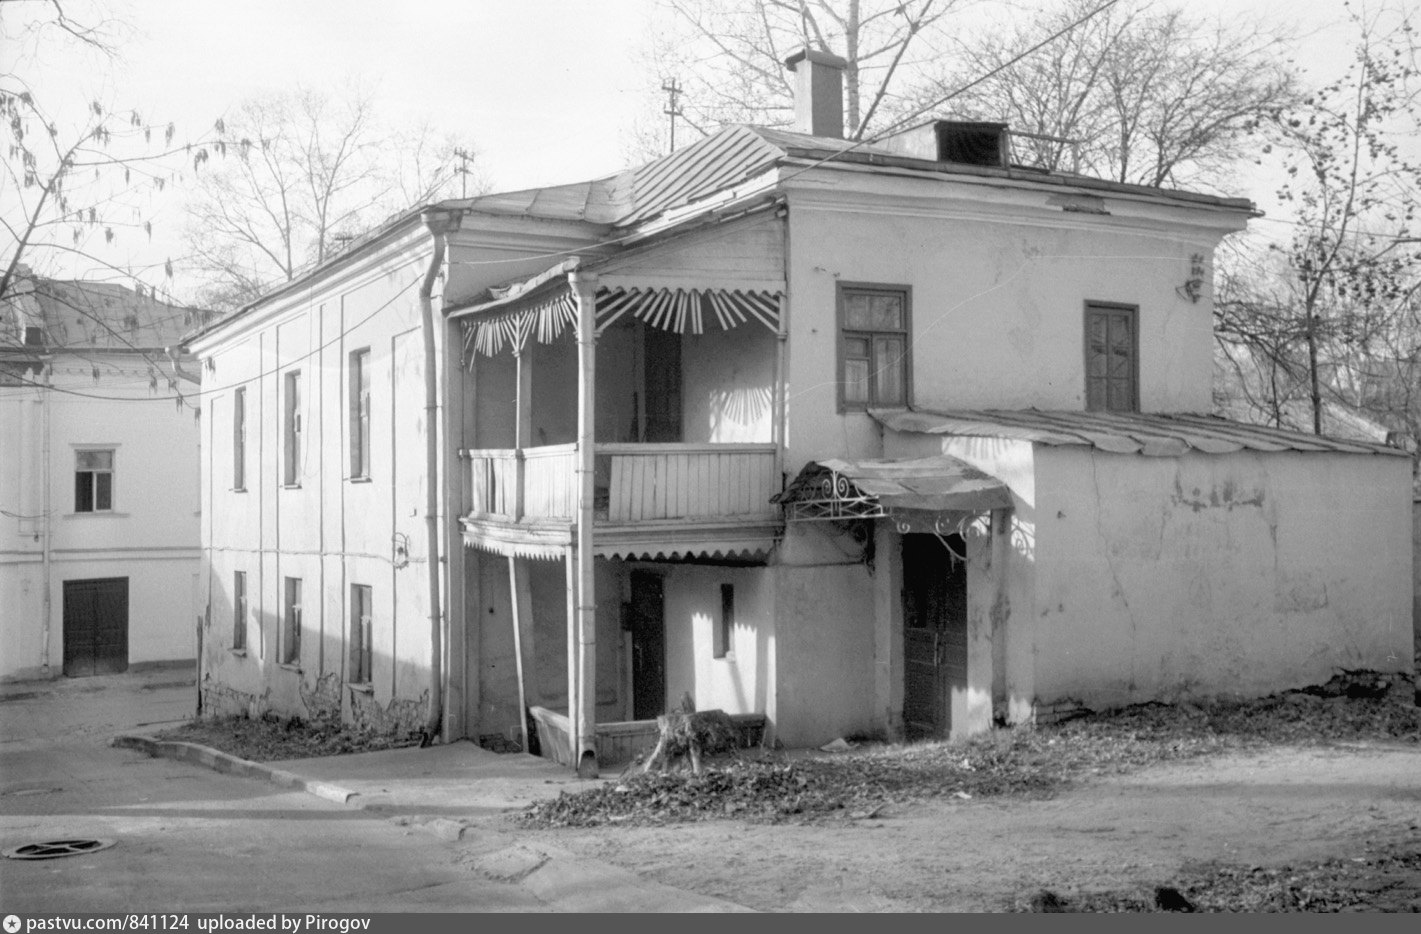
pixel 298 174
pixel 730 55
pixel 1137 93
pixel 1343 323
pixel 72 185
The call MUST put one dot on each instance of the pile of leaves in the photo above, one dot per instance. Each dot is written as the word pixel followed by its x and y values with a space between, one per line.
pixel 1378 882
pixel 271 738
pixel 1022 762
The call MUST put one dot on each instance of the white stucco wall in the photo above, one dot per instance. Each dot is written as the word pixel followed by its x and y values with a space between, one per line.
pixel 1235 574
pixel 825 638
pixel 150 537
pixel 328 528
pixel 739 682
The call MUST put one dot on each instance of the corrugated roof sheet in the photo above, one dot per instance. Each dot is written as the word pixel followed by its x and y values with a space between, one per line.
pixel 86 315
pixel 1123 433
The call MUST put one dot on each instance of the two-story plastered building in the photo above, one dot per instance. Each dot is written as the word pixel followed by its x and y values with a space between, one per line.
pixel 98 480
pixel 894 437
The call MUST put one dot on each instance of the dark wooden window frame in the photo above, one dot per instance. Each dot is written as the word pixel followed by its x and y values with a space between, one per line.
pixel 239 611
pixel 362 613
pixel 724 646
pixel 291 428
pixel 359 403
pixel 239 440
pixel 290 653
pixel 1134 313
pixel 89 489
pixel 842 332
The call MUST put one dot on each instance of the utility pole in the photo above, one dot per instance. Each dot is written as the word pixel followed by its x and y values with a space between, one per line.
pixel 673 107
pixel 464 157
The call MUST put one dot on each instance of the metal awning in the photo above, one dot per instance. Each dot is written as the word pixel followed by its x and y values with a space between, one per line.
pixel 871 489
pixel 544 306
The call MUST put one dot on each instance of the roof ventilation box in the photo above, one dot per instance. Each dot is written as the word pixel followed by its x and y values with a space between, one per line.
pixel 964 142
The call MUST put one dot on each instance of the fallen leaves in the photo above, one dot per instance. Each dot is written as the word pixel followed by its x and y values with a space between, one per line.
pixel 860 784
pixel 268 740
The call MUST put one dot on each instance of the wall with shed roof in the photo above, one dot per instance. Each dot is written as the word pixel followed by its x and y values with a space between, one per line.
pixel 1244 573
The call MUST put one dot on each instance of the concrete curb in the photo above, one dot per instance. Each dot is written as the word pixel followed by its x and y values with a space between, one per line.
pixel 210 758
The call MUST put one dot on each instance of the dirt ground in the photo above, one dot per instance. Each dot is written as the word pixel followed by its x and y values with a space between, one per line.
pixel 1272 808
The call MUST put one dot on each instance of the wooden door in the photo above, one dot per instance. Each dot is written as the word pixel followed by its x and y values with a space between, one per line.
pixel 648 625
pixel 95 626
pixel 663 385
pixel 934 632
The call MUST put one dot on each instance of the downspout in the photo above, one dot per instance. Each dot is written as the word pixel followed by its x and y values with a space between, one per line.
pixel 46 556
pixel 584 716
pixel 439 223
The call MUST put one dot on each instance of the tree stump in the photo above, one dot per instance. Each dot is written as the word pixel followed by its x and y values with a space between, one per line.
pixel 691 734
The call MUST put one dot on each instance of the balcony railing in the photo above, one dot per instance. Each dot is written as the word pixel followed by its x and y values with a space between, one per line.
pixel 634 482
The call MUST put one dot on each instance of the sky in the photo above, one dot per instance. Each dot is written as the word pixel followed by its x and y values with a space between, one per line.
pixel 546 89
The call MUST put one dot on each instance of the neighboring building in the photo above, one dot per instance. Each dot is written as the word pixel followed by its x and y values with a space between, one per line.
pixel 98 480
pixel 863 438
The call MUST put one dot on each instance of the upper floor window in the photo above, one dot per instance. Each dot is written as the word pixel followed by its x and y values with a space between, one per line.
pixel 291 475
pixel 873 346
pixel 1112 352
pixel 360 414
pixel 93 480
pixel 239 439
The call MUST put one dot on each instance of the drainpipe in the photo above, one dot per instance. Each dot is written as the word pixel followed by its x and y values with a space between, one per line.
pixel 439 223
pixel 47 521
pixel 584 286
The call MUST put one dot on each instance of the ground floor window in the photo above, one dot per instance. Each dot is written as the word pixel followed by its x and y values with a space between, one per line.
pixel 291 623
pixel 360 616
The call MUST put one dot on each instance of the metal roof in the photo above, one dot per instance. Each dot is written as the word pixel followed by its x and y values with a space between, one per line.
pixel 1158 435
pixel 866 489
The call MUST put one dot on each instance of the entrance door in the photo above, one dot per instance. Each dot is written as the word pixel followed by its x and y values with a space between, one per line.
pixel 95 626
pixel 663 386
pixel 648 623
pixel 934 632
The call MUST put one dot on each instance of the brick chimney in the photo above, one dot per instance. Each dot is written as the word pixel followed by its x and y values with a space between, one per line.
pixel 818 92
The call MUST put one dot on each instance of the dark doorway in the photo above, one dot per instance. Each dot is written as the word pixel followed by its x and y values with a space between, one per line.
pixel 663 385
pixel 934 631
pixel 95 626
pixel 648 625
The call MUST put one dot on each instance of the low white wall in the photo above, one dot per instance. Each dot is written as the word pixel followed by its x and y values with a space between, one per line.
pixel 1236 574
pixel 738 682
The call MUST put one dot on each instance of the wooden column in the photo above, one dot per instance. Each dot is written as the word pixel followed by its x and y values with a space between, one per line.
pixel 572 705
pixel 584 286
pixel 523 419
pixel 521 598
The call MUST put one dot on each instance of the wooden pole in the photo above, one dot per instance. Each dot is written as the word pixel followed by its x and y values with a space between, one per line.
pixel 584 286
pixel 522 599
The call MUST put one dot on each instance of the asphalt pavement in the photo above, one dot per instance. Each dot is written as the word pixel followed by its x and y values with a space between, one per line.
pixel 424 827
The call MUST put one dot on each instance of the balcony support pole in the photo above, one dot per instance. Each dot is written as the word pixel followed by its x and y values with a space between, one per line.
pixel 523 428
pixel 584 286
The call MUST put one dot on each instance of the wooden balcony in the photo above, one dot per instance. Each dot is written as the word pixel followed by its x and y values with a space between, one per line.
pixel 650 498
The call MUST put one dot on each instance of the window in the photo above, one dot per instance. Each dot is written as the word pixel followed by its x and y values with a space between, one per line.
pixel 239 610
pixel 93 481
pixel 724 643
pixel 291 624
pixel 239 440
pixel 873 346
pixel 360 414
pixel 360 611
pixel 292 474
pixel 1111 358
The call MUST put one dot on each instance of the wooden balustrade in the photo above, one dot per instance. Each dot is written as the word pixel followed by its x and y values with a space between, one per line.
pixel 637 482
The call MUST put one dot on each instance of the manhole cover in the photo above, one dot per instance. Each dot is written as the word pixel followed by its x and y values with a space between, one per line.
pixel 54 849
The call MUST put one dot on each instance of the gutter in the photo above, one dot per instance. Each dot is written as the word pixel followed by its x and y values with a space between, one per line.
pixel 439 223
